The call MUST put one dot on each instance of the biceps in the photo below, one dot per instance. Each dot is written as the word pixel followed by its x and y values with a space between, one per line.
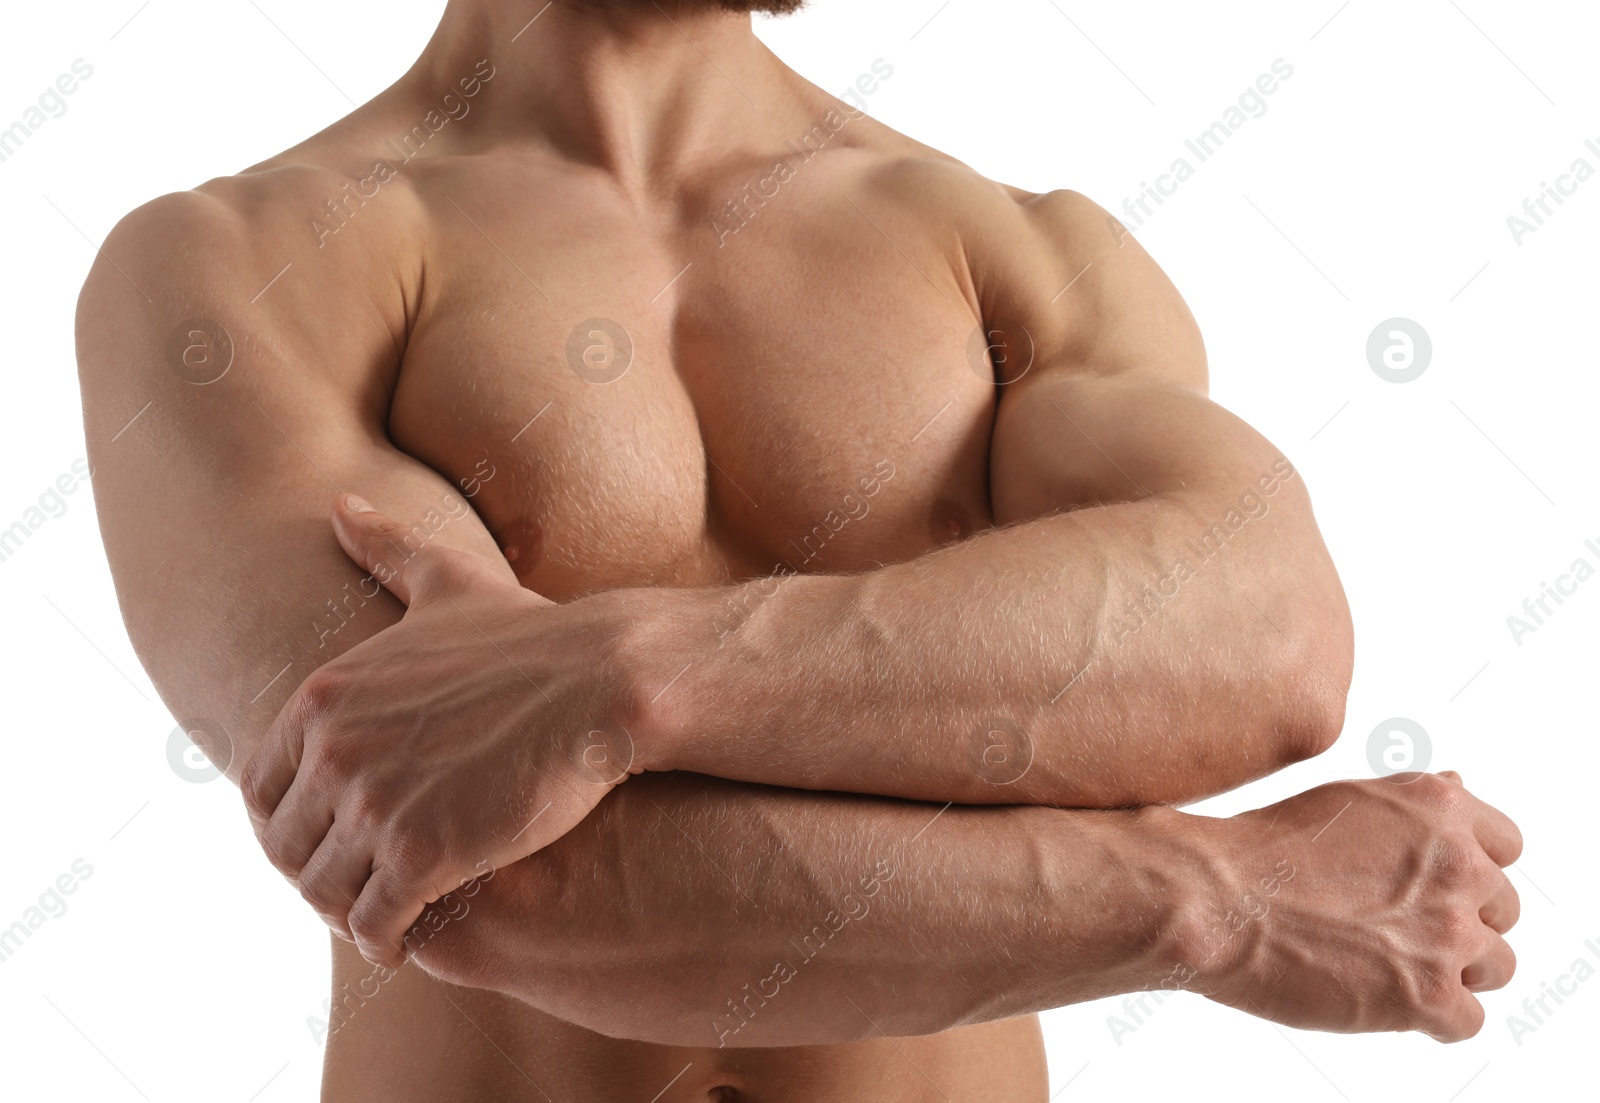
pixel 229 577
pixel 1065 442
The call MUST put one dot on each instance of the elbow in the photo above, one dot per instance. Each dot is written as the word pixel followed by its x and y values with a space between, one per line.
pixel 450 950
pixel 1313 687
pixel 1315 720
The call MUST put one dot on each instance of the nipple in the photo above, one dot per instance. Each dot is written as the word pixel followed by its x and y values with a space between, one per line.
pixel 523 543
pixel 947 523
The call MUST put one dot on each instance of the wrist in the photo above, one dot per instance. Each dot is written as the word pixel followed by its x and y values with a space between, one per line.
pixel 1215 933
pixel 1192 877
pixel 715 670
pixel 665 642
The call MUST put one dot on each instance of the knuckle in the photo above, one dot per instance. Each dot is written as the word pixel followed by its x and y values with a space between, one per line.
pixel 1513 908
pixel 269 848
pixel 1342 790
pixel 1455 802
pixel 317 889
pixel 319 694
pixel 1513 843
pixel 281 853
pixel 252 789
pixel 1438 792
pixel 1455 861
pixel 366 923
pixel 369 804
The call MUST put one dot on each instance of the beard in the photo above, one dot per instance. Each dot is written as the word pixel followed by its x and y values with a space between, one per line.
pixel 738 7
pixel 735 7
pixel 766 7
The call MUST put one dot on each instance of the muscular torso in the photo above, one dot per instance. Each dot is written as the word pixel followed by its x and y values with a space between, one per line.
pixel 776 387
pixel 633 394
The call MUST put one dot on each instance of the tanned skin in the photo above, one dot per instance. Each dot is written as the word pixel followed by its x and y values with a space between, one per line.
pixel 753 587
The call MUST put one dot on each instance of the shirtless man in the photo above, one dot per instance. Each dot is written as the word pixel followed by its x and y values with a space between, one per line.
pixel 804 575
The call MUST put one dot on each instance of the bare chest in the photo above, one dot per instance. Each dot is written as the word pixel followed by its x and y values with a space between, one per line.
pixel 628 406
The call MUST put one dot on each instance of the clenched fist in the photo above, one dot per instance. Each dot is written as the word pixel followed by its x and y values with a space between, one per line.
pixel 1362 906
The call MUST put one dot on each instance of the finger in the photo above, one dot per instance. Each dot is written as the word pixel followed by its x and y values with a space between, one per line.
pixel 295 830
pixel 1496 833
pixel 1503 906
pixel 272 769
pixel 1460 1020
pixel 401 557
pixel 332 880
pixel 388 905
pixel 1493 968
pixel 379 545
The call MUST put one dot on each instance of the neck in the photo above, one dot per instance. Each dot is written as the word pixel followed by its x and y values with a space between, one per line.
pixel 636 87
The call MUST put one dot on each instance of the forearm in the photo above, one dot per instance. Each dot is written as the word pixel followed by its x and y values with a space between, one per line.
pixel 692 911
pixel 1148 651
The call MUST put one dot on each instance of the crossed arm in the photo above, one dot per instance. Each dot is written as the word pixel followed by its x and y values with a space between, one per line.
pixel 215 518
pixel 1156 620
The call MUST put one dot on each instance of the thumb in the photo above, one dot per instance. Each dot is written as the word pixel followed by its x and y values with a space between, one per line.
pixel 396 554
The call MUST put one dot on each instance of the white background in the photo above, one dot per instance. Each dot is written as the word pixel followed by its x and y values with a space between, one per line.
pixel 1376 185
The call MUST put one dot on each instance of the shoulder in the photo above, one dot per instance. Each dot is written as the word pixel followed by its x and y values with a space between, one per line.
pixel 252 254
pixel 994 219
pixel 285 211
pixel 212 317
pixel 933 183
pixel 1090 296
pixel 1052 270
